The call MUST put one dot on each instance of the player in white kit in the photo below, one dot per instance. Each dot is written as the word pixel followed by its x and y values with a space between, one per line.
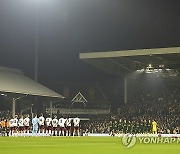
pixel 15 122
pixel 76 122
pixel 62 129
pixel 48 125
pixel 41 124
pixel 68 126
pixel 21 125
pixel 11 124
pixel 54 125
pixel 15 125
pixel 26 124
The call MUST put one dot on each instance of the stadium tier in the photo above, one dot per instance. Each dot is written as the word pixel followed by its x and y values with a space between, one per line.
pixel 137 117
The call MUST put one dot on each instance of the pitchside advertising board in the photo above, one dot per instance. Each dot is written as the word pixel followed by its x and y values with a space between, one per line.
pixel 138 135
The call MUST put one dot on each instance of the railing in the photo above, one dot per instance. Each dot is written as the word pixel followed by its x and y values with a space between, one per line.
pixel 77 111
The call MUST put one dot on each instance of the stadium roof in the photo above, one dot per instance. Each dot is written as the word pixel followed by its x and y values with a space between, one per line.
pixel 14 81
pixel 127 61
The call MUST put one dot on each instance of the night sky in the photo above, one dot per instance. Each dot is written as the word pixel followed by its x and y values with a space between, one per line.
pixel 68 27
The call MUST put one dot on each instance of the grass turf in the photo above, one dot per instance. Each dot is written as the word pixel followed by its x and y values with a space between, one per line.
pixel 79 145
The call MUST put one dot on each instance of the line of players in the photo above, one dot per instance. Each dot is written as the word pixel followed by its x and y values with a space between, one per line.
pixel 48 126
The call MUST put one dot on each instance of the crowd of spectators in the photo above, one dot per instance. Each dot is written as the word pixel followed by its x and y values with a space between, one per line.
pixel 6 114
pixel 161 106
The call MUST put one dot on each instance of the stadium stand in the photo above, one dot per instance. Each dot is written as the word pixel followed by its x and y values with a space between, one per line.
pixel 164 107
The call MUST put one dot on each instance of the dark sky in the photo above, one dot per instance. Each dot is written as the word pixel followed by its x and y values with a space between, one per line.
pixel 67 27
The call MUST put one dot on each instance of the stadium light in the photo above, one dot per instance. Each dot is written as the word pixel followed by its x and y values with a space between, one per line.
pixel 3 94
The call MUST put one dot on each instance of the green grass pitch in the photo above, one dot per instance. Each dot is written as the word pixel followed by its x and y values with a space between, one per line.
pixel 79 145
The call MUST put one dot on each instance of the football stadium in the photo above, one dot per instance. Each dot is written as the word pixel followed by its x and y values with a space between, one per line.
pixel 108 96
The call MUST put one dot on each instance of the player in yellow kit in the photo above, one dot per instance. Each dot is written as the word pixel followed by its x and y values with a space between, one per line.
pixel 154 127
